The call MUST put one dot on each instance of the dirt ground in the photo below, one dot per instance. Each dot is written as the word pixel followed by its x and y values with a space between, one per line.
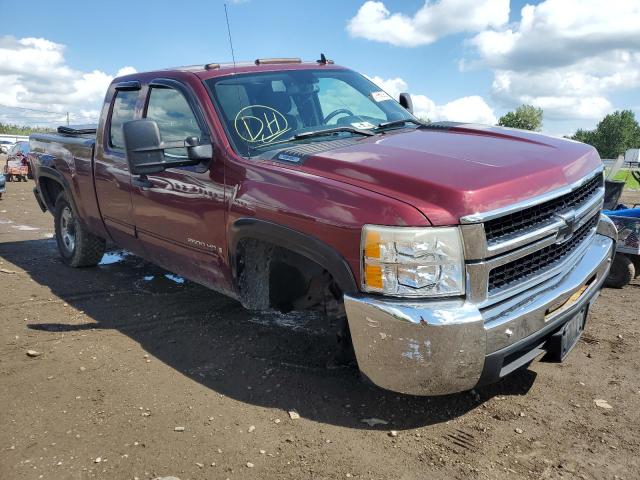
pixel 142 376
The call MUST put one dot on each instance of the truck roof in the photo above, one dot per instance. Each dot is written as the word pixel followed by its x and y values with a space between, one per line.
pixel 209 70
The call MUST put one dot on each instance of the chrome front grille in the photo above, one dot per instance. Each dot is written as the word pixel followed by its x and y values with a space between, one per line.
pixel 518 247
pixel 528 219
pixel 539 261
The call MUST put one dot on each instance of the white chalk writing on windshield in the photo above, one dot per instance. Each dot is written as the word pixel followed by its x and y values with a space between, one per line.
pixel 260 124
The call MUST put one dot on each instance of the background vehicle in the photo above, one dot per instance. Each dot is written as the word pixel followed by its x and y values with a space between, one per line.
pixel 5 146
pixel 3 187
pixel 626 263
pixel 17 167
pixel 457 253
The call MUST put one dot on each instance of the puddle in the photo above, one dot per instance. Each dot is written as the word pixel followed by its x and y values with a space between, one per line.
pixel 173 278
pixel 25 228
pixel 5 222
pixel 110 258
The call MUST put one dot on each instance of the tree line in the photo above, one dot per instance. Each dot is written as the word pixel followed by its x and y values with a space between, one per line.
pixel 615 133
pixel 10 129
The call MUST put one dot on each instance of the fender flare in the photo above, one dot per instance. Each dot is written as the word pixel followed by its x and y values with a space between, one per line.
pixel 53 174
pixel 298 242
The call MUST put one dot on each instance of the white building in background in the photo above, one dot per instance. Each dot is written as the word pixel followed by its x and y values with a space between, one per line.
pixel 13 138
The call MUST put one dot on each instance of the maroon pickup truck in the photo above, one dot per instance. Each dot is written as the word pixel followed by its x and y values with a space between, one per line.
pixel 457 253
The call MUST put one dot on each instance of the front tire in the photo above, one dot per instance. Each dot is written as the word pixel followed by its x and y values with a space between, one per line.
pixel 77 246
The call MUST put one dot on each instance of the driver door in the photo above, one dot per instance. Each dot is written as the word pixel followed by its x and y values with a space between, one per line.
pixel 179 213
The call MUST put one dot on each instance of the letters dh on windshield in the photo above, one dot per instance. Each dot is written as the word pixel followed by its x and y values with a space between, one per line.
pixel 260 124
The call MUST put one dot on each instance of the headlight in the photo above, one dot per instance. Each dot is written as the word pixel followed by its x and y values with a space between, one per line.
pixel 412 262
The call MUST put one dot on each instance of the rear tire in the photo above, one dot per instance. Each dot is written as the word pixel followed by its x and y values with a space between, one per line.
pixel 77 246
pixel 621 273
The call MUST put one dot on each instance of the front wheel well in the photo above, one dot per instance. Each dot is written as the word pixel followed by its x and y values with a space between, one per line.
pixel 274 277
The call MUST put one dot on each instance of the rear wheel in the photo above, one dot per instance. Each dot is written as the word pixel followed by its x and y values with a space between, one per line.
pixel 77 246
pixel 621 273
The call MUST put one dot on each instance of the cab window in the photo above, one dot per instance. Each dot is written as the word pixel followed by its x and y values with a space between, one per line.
pixel 124 105
pixel 176 121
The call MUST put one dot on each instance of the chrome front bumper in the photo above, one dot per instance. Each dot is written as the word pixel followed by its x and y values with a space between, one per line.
pixel 441 347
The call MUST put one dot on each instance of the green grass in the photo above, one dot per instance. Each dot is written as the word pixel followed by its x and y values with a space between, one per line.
pixel 630 183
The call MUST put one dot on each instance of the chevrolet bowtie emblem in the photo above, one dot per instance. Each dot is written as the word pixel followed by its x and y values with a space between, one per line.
pixel 566 231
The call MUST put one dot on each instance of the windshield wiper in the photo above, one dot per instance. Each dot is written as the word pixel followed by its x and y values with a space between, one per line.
pixel 398 123
pixel 329 131
pixel 318 133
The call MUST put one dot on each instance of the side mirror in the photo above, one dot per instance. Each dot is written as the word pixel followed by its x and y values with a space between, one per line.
pixel 143 145
pixel 406 102
pixel 198 152
pixel 145 149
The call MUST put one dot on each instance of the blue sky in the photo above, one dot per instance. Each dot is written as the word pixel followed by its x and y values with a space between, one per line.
pixel 442 57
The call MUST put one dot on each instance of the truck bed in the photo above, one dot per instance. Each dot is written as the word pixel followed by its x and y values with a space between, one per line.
pixel 67 156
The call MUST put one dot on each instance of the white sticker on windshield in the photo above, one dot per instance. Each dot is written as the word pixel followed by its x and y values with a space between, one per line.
pixel 363 125
pixel 380 96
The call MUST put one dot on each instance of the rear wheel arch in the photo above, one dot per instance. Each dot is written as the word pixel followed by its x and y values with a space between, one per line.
pixel 50 188
pixel 53 182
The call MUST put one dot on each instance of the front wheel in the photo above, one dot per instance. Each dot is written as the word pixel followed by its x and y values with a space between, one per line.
pixel 77 246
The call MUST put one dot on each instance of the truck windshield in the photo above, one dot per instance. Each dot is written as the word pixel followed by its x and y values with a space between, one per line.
pixel 264 111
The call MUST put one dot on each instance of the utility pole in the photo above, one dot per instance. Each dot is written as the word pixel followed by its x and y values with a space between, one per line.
pixel 67 119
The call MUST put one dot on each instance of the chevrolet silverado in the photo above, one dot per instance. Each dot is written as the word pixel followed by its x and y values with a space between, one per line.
pixel 448 254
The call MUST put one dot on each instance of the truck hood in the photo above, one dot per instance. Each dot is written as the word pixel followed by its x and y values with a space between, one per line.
pixel 449 172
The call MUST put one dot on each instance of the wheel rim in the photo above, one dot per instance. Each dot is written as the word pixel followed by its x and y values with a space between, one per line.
pixel 68 229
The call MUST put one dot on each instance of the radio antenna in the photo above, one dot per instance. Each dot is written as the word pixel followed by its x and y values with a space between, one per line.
pixel 233 58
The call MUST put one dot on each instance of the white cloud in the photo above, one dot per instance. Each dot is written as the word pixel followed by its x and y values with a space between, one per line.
pixel 565 56
pixel 433 20
pixel 466 109
pixel 34 79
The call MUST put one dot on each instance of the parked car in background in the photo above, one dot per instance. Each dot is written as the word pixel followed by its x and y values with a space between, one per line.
pixel 3 186
pixel 17 167
pixel 457 253
pixel 5 146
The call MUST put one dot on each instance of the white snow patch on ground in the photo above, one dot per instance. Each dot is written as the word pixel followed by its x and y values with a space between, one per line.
pixel 174 278
pixel 148 278
pixel 110 258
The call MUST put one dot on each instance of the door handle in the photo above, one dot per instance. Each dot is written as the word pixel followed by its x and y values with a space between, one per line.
pixel 142 181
